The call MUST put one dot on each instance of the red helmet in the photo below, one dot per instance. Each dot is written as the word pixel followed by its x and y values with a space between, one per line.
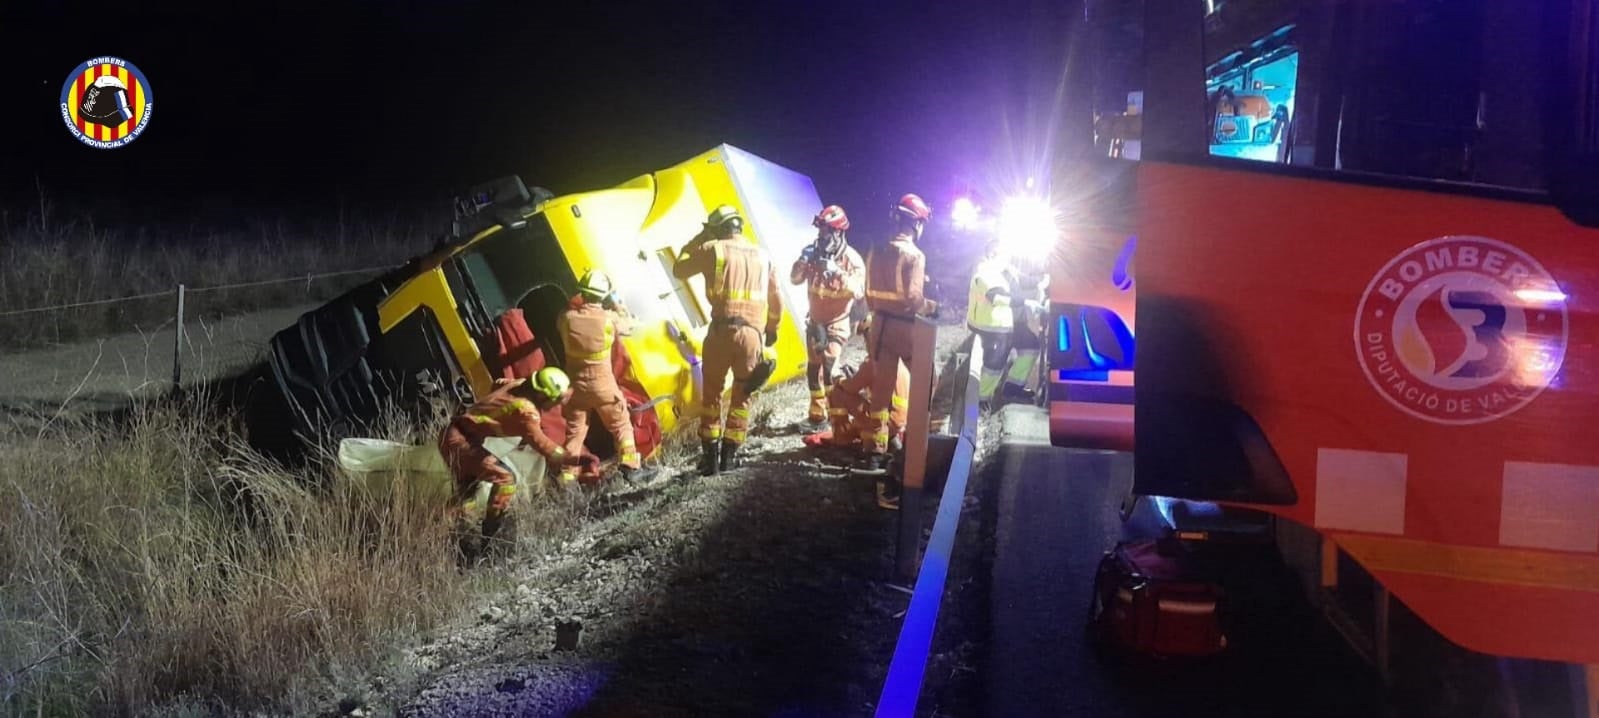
pixel 832 216
pixel 912 207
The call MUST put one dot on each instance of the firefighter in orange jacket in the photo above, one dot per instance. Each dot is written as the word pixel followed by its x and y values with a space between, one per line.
pixel 512 409
pixel 588 330
pixel 834 275
pixel 746 309
pixel 895 276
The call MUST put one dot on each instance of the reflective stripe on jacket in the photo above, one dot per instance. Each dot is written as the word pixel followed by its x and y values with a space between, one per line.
pixel 739 281
pixel 895 276
pixel 588 331
pixel 502 413
pixel 988 306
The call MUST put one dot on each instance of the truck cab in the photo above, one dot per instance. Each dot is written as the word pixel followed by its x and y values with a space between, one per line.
pixel 452 321
pixel 1366 238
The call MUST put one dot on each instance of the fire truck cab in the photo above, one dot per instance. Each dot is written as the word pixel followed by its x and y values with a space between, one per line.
pixel 1366 248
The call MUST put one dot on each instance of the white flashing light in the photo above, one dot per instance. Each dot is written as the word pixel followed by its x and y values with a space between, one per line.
pixel 964 213
pixel 1027 224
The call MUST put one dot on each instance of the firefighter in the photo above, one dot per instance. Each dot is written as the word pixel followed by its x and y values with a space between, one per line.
pixel 993 320
pixel 850 402
pixel 746 309
pixel 588 329
pixel 834 275
pixel 895 276
pixel 512 409
pixel 989 316
pixel 1030 303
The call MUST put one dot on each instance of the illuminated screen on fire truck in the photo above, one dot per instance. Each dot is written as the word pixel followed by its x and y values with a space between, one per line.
pixel 1252 99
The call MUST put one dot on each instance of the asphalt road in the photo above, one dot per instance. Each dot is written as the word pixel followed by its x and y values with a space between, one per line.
pixel 1057 514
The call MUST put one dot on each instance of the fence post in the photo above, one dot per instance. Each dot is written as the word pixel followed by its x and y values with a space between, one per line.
pixel 177 346
pixel 915 466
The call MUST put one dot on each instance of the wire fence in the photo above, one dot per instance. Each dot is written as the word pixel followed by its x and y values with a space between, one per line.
pixel 114 347
pixel 307 278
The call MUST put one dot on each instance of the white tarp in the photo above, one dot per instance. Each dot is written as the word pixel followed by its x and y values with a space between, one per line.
pixel 377 463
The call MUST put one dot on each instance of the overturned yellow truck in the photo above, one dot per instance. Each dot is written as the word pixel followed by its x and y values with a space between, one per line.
pixel 447 322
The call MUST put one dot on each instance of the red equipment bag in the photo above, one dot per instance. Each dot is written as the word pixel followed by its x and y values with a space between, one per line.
pixel 1149 600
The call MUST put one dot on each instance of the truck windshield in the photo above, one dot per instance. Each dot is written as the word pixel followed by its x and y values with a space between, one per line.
pixel 509 265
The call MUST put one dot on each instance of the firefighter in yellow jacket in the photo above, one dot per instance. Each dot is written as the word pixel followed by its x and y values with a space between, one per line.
pixel 588 330
pixel 989 317
pixel 746 309
pixel 895 276
pixel 834 275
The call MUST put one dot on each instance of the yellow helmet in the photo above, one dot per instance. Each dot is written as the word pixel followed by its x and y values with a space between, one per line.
pixel 594 285
pixel 551 383
pixel 725 217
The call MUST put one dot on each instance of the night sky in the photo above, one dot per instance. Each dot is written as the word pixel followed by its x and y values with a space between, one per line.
pixel 391 104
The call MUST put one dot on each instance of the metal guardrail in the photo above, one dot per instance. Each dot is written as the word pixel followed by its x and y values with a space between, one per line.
pixel 908 667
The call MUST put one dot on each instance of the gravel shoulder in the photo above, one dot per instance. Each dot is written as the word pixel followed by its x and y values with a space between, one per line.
pixel 760 592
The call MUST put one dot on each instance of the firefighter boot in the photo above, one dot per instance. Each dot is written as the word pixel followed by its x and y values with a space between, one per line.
pixel 636 475
pixel 499 534
pixel 730 460
pixel 888 492
pixel 871 464
pixel 710 457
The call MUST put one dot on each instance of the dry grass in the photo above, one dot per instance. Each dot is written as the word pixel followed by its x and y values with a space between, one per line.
pixel 680 446
pixel 50 257
pixel 158 563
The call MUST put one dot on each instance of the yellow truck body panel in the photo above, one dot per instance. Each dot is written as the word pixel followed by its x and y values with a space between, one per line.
pixel 632 232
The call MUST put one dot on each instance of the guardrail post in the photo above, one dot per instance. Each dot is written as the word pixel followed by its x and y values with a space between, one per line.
pixel 177 345
pixel 906 551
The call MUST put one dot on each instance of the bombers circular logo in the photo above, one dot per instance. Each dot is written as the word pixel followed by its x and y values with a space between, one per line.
pixel 106 102
pixel 1461 330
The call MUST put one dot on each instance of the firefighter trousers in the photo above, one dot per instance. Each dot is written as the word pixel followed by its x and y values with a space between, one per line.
pixel 1026 344
pixel 826 343
pixel 604 398
pixel 890 343
pixel 847 413
pixel 996 349
pixel 849 410
pixel 996 356
pixel 728 348
pixel 470 463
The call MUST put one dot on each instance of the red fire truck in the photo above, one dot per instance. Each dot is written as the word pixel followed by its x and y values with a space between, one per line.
pixel 1363 302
